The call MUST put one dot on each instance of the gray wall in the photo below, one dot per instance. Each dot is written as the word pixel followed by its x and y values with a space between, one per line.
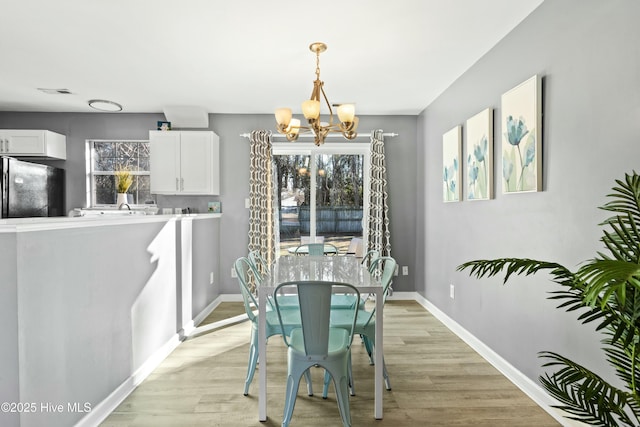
pixel 234 172
pixel 93 312
pixel 9 354
pixel 205 260
pixel 588 54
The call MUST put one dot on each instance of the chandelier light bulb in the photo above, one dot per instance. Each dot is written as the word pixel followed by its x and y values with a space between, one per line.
pixel 346 113
pixel 294 127
pixel 283 116
pixel 311 109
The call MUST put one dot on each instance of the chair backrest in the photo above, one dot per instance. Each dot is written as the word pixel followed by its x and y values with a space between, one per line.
pixel 243 269
pixel 315 311
pixel 313 249
pixel 388 270
pixel 259 264
pixel 369 259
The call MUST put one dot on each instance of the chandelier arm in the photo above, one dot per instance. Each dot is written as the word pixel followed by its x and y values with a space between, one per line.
pixel 326 100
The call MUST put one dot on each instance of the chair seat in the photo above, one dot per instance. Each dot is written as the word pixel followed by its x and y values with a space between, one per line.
pixel 288 302
pixel 290 320
pixel 343 318
pixel 339 301
pixel 339 341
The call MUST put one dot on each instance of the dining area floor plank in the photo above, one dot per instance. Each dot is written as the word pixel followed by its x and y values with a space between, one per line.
pixel 437 380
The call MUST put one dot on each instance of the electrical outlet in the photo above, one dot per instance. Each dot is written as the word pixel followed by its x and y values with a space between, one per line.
pixel 405 270
pixel 233 273
pixel 177 211
pixel 211 278
pixel 452 291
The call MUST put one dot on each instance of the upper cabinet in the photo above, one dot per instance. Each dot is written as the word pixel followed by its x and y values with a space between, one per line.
pixel 184 162
pixel 33 143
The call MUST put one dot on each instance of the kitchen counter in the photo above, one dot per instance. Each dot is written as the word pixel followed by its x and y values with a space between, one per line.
pixel 60 222
pixel 91 305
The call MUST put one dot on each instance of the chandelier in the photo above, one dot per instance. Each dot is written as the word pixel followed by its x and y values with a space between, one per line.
pixel 291 127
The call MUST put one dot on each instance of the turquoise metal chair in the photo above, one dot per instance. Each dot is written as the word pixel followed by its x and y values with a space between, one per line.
pixel 259 264
pixel 316 343
pixel 274 324
pixel 366 321
pixel 311 249
pixel 369 258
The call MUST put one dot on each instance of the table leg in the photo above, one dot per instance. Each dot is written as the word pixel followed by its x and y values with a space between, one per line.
pixel 262 355
pixel 379 352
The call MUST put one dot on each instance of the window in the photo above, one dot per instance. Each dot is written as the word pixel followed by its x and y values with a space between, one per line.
pixel 104 158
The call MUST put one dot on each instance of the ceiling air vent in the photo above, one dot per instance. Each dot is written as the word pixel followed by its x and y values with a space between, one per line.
pixel 55 91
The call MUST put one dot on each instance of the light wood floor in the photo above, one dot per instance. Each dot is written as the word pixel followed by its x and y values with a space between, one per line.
pixel 437 380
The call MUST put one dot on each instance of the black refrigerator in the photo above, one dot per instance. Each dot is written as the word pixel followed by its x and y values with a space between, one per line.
pixel 30 189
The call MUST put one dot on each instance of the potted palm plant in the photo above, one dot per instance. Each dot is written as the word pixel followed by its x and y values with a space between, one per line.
pixel 124 179
pixel 606 290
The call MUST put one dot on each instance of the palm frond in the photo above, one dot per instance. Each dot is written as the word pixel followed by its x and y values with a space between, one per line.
pixel 624 362
pixel 605 290
pixel 585 395
pixel 518 266
pixel 606 277
pixel 622 242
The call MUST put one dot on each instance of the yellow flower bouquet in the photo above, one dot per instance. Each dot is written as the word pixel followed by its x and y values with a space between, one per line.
pixel 124 179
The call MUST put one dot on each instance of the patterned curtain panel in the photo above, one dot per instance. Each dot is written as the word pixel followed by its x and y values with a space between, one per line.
pixel 379 235
pixel 261 219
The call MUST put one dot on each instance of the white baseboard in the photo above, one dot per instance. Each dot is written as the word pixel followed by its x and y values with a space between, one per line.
pixel 403 296
pixel 524 383
pixel 103 409
pixel 230 297
pixel 207 311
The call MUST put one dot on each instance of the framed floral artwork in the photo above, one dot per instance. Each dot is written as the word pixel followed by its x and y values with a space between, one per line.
pixel 522 137
pixel 451 168
pixel 479 149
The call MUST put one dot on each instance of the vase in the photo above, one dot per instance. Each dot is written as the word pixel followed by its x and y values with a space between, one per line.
pixel 122 198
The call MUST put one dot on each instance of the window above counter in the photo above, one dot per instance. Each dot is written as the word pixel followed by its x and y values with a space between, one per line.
pixel 104 158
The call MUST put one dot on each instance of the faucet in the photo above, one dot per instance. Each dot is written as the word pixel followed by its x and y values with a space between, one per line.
pixel 124 204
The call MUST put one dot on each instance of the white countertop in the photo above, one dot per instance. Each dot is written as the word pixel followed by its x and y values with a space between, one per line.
pixel 9 225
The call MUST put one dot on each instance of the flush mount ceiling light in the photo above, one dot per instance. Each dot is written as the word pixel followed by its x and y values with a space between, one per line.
pixel 104 105
pixel 290 126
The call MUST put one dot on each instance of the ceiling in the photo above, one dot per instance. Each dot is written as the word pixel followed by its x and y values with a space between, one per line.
pixel 242 56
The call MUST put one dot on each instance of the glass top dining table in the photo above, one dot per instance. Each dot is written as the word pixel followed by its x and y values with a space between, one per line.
pixel 344 269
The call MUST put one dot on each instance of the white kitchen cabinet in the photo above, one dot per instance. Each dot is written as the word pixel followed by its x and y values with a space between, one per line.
pixel 33 143
pixel 184 162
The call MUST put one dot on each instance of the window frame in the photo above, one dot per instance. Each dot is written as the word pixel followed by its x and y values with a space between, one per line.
pixel 90 173
pixel 310 149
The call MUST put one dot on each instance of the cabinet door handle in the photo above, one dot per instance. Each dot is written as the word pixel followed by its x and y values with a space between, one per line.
pixel 182 184
pixel 177 187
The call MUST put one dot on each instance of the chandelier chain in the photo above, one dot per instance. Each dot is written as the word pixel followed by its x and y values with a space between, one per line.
pixel 318 65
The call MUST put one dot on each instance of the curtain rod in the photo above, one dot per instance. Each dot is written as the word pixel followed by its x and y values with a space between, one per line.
pixel 309 135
